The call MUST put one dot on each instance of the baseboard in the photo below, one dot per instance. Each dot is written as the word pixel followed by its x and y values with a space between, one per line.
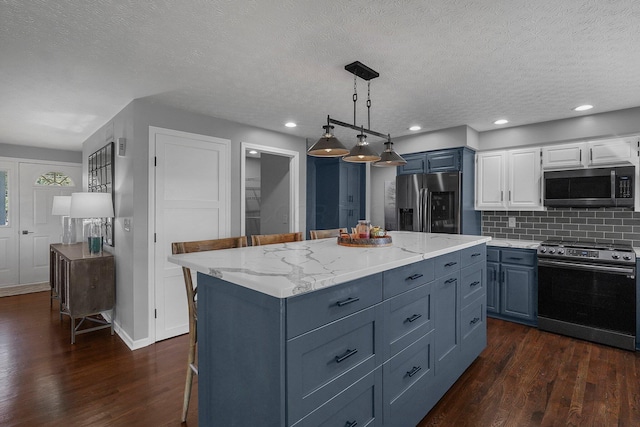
pixel 130 342
pixel 8 291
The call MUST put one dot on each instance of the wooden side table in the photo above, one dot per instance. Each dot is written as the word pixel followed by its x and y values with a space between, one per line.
pixel 84 284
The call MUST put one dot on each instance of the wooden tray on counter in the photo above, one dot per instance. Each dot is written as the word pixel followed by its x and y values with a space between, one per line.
pixel 373 242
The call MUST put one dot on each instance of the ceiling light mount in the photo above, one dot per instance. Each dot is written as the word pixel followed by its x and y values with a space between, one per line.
pixel 329 146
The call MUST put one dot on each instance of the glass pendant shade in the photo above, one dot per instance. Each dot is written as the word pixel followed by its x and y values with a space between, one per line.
pixel 390 157
pixel 328 146
pixel 361 152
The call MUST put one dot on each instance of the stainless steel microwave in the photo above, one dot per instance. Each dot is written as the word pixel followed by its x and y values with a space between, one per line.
pixel 593 187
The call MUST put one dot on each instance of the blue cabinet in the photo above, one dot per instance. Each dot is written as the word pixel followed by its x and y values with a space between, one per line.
pixel 449 160
pixel 335 193
pixel 512 285
pixel 444 160
pixel 376 351
pixel 416 163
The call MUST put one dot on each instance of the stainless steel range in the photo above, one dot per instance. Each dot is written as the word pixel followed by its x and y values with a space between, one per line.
pixel 587 290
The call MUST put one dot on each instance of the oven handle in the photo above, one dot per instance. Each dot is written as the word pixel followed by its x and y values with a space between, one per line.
pixel 629 271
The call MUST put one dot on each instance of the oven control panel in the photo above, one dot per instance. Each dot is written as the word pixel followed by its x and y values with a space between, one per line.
pixel 606 255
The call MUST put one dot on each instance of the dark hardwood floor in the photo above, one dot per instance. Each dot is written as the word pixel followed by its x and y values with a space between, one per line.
pixel 525 377
pixel 46 381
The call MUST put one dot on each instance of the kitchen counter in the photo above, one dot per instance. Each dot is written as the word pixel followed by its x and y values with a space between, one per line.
pixel 518 244
pixel 285 270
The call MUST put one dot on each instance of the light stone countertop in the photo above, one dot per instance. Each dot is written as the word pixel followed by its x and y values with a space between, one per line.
pixel 519 244
pixel 284 270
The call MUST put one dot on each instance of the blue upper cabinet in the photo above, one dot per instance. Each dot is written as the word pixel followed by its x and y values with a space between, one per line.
pixel 432 161
pixel 416 163
pixel 444 160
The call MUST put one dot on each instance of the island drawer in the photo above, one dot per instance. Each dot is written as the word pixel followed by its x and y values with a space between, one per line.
pixel 472 255
pixel 493 255
pixel 473 325
pixel 407 277
pixel 447 264
pixel 407 317
pixel 358 405
pixel 314 309
pixel 325 361
pixel 472 283
pixel 406 380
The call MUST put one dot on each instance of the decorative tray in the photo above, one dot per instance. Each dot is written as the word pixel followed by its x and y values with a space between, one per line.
pixel 373 242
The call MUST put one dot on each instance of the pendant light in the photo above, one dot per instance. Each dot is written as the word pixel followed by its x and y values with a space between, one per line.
pixel 330 146
pixel 362 152
pixel 389 157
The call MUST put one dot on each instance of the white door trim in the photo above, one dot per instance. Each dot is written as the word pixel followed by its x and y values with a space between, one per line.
pixel 294 182
pixel 153 131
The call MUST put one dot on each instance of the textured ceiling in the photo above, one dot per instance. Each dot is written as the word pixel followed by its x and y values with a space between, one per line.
pixel 67 67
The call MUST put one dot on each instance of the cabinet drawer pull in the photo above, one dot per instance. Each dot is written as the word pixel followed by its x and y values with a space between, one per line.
pixel 414 276
pixel 453 279
pixel 347 301
pixel 413 371
pixel 517 258
pixel 476 254
pixel 347 354
pixel 450 264
pixel 353 423
pixel 474 284
pixel 474 321
pixel 413 318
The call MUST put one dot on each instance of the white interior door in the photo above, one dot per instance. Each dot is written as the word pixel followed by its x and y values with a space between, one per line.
pixel 9 272
pixel 38 228
pixel 193 185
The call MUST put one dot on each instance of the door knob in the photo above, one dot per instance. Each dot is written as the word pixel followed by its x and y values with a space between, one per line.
pixel 27 232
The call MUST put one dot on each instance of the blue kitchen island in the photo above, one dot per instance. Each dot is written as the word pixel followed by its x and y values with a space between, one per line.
pixel 312 333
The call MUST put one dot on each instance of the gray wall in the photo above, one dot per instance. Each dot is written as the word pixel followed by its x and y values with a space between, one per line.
pixel 132 249
pixel 37 153
pixel 595 126
pixel 274 209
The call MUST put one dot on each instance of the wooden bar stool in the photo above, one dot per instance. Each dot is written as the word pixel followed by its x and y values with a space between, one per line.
pixel 185 248
pixel 269 239
pixel 325 234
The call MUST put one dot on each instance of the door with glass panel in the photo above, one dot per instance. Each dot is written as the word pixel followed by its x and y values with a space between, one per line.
pixel 37 227
pixel 8 225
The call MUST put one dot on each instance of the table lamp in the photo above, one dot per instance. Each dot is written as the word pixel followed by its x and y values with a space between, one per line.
pixel 62 207
pixel 92 207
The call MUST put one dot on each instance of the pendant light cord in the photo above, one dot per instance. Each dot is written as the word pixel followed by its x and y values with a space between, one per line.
pixel 355 97
pixel 369 104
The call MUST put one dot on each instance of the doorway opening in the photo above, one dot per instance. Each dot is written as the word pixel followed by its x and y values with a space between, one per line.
pixel 269 190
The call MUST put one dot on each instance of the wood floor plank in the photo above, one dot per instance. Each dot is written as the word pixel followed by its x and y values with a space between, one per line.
pixel 525 377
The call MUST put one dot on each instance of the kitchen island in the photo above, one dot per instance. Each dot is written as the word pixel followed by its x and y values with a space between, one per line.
pixel 309 333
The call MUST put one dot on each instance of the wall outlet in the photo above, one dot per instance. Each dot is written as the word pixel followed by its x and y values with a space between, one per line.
pixel 512 222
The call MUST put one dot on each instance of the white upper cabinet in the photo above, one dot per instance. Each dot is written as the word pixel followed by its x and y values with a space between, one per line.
pixel 562 156
pixel 490 180
pixel 509 180
pixel 525 179
pixel 593 153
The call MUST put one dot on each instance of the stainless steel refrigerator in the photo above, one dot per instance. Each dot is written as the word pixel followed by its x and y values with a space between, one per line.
pixel 429 202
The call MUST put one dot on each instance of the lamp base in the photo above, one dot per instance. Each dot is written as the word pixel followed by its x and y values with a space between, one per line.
pixel 95 245
pixel 68 230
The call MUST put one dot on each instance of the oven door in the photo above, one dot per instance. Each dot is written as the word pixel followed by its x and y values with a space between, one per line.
pixel 596 296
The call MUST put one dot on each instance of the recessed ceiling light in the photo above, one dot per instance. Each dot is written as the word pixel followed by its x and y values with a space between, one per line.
pixel 253 152
pixel 501 122
pixel 290 124
pixel 583 107
pixel 414 128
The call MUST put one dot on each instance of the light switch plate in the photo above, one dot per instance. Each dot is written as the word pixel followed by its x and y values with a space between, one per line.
pixel 127 224
pixel 512 222
pixel 122 146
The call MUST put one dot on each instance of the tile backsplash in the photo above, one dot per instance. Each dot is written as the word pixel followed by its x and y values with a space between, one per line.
pixel 606 225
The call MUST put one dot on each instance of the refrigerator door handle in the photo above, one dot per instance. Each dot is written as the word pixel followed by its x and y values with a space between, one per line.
pixel 425 215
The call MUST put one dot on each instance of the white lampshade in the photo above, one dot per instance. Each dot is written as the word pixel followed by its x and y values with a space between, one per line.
pixel 61 205
pixel 91 205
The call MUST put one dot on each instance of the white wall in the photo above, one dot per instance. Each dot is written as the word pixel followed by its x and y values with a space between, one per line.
pixel 132 249
pixel 38 153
